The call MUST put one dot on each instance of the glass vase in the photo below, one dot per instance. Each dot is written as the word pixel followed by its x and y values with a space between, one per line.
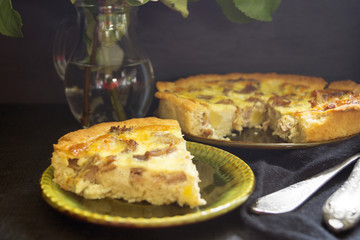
pixel 106 74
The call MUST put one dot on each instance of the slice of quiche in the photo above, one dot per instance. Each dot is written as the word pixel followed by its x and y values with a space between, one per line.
pixel 142 159
pixel 318 116
pixel 296 108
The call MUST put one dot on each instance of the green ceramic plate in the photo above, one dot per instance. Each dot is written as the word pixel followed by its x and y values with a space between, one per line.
pixel 226 183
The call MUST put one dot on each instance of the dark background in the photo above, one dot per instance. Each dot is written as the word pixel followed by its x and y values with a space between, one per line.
pixel 318 38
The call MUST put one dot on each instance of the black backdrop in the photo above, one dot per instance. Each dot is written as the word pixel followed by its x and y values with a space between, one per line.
pixel 319 38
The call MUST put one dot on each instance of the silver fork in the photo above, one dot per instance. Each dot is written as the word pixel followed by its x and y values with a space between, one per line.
pixel 342 209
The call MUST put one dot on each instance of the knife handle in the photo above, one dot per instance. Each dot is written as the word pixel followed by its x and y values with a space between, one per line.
pixel 342 210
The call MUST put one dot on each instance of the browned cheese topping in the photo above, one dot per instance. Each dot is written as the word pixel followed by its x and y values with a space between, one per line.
pixel 276 100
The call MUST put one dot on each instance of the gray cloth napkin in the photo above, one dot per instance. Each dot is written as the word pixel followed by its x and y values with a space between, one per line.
pixel 276 169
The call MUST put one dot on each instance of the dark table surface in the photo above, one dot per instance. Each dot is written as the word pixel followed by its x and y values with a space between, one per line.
pixel 27 135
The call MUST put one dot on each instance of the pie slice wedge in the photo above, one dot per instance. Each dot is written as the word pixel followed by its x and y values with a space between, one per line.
pixel 142 159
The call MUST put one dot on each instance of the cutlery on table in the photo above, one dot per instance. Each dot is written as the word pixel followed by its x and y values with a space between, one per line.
pixel 291 197
pixel 342 210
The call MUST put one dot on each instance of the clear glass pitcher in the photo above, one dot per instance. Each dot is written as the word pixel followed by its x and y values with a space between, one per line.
pixel 106 74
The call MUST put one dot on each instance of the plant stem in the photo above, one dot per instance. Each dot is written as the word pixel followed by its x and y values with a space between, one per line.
pixel 117 105
pixel 114 96
pixel 85 119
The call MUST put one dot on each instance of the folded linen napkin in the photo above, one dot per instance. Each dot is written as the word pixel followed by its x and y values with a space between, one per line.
pixel 276 169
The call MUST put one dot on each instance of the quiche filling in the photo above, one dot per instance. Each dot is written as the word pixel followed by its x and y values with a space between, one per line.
pixel 136 160
pixel 291 106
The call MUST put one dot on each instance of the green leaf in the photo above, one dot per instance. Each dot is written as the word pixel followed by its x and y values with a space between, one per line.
pixel 10 20
pixel 177 5
pixel 136 2
pixel 231 12
pixel 258 9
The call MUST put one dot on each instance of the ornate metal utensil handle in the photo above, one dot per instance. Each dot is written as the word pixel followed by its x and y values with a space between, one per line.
pixel 289 198
pixel 342 210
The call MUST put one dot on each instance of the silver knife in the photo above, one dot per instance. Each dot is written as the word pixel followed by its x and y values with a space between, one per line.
pixel 289 198
pixel 342 210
